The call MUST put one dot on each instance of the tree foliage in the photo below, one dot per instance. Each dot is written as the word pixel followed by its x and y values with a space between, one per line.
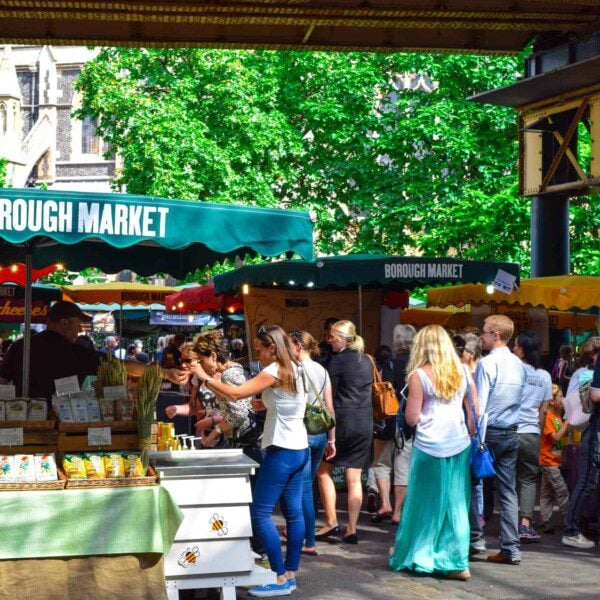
pixel 385 170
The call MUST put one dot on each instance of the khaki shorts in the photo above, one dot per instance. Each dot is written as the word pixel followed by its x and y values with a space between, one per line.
pixel 383 463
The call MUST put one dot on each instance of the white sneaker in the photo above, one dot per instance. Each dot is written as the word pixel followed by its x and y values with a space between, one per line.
pixel 578 541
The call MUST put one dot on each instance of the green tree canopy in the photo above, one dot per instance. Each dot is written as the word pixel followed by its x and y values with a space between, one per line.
pixel 385 169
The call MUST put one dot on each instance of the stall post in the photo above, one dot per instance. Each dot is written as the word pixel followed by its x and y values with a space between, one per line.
pixel 27 331
pixel 360 310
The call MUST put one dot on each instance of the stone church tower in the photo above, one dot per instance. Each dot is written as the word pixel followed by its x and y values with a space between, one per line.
pixel 39 139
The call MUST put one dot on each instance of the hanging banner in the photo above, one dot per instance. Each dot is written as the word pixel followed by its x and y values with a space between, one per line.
pixel 159 317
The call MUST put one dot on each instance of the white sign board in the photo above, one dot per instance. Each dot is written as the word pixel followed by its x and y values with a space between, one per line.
pixel 114 392
pixel 67 385
pixel 504 282
pixel 7 392
pixel 99 436
pixel 11 436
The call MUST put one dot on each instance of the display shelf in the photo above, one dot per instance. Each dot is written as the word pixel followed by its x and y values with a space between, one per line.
pixel 28 425
pixel 150 479
pixel 34 441
pixel 73 437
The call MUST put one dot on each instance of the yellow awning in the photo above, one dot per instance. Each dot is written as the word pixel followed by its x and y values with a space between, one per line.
pixel 454 318
pixel 563 292
pixel 119 292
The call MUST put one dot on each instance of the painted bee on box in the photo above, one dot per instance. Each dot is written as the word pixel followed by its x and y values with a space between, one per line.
pixel 189 557
pixel 218 525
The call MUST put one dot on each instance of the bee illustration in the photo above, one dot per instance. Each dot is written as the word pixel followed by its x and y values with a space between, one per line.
pixel 189 557
pixel 218 524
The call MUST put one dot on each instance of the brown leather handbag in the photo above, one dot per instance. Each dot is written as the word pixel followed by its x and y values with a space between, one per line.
pixel 385 402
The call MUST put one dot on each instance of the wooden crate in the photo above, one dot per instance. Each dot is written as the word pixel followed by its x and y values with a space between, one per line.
pixel 38 436
pixel 73 437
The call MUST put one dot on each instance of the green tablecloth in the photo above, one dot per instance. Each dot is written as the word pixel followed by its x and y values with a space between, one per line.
pixel 87 522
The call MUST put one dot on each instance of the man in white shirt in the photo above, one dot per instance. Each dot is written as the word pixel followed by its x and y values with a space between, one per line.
pixel 500 377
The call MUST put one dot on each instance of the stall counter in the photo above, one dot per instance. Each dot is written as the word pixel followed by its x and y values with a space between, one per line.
pixel 101 521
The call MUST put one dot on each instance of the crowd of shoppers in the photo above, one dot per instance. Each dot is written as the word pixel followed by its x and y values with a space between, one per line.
pixel 424 483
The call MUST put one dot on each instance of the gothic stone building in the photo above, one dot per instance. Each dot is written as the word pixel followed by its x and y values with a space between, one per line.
pixel 40 140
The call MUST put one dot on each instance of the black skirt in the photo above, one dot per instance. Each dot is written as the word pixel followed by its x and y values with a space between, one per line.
pixel 353 436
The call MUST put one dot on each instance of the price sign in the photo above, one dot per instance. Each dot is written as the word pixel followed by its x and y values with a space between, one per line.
pixel 115 392
pixel 504 282
pixel 7 392
pixel 11 437
pixel 99 436
pixel 67 385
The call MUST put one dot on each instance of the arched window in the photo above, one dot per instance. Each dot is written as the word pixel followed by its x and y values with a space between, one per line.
pixel 3 115
pixel 90 142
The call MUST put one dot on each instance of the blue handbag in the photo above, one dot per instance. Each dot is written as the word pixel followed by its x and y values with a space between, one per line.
pixel 482 458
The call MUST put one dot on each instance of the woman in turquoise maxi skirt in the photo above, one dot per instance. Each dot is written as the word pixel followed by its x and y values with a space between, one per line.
pixel 433 534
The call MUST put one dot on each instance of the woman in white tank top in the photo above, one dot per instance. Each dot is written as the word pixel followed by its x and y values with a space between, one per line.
pixel 433 535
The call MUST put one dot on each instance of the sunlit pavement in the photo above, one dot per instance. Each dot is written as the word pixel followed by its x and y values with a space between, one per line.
pixel 343 571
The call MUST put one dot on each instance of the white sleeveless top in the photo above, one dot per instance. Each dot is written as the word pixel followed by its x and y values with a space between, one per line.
pixel 441 430
pixel 284 423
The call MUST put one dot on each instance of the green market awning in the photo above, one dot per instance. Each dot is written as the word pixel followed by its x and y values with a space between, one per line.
pixel 366 270
pixel 145 234
pixel 41 292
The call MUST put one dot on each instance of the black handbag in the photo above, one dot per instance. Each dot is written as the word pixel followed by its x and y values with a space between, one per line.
pixel 385 430
pixel 406 431
pixel 317 416
pixel 250 432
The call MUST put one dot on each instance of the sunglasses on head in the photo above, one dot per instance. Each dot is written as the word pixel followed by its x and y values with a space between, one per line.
pixel 263 331
pixel 297 335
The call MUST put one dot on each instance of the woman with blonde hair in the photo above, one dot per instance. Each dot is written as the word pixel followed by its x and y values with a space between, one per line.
pixel 351 375
pixel 433 535
pixel 285 443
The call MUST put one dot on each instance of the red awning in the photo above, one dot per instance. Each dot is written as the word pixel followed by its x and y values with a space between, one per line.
pixel 200 298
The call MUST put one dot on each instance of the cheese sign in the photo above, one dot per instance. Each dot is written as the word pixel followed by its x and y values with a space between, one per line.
pixel 52 216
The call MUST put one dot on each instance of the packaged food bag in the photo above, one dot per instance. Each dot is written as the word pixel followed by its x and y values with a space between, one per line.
pixel 45 467
pixel 2 410
pixel 16 410
pixel 23 468
pixel 6 469
pixel 114 465
pixel 37 410
pixel 133 464
pixel 124 410
pixel 79 409
pixel 107 409
pixel 62 408
pixel 94 465
pixel 74 467
pixel 93 409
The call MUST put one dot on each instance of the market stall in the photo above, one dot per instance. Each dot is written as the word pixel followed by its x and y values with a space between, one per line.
pixel 453 317
pixel 111 232
pixel 541 303
pixel 119 292
pixel 369 290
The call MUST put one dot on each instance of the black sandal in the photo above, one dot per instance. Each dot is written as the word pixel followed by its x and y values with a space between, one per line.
pixel 333 532
pixel 381 517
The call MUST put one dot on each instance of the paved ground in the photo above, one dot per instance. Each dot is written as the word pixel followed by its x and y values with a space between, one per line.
pixel 345 572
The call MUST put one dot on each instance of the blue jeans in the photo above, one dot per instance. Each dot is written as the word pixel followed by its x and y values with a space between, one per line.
pixel 316 446
pixel 504 443
pixel 588 481
pixel 280 476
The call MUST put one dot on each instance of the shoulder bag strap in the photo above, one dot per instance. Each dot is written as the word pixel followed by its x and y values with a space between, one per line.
pixel 472 403
pixel 376 377
pixel 318 398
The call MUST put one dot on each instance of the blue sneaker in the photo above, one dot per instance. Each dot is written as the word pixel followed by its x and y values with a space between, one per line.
pixel 272 589
pixel 293 585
